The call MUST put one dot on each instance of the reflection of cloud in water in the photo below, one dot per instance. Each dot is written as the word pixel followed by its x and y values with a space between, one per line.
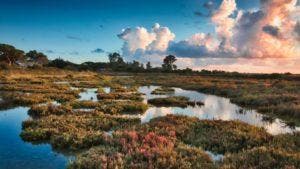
pixel 154 112
pixel 214 108
pixel 88 94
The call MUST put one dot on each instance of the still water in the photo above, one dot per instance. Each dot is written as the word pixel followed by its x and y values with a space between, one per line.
pixel 17 154
pixel 214 108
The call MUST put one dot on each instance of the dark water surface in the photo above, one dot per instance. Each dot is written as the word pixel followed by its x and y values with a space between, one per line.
pixel 17 154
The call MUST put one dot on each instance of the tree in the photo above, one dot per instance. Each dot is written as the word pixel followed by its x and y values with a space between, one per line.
pixel 62 64
pixel 168 64
pixel 114 57
pixel 116 62
pixel 120 60
pixel 37 57
pixel 10 54
pixel 148 66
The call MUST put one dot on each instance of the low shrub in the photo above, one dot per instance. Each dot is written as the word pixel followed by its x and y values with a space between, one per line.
pixel 262 157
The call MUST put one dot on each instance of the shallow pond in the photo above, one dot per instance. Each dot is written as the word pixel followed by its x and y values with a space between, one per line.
pixel 17 154
pixel 214 108
pixel 88 94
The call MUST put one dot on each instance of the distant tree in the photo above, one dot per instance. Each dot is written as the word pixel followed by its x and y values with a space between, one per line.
pixel 148 66
pixel 9 54
pixel 37 57
pixel 120 60
pixel 116 62
pixel 60 63
pixel 142 66
pixel 114 57
pixel 168 64
pixel 135 64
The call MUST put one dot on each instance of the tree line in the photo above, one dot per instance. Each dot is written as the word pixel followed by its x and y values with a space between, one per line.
pixel 12 57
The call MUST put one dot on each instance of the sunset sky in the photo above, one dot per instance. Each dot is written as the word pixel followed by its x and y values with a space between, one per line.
pixel 232 35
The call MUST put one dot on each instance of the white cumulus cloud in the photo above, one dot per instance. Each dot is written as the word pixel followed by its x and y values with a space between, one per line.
pixel 139 41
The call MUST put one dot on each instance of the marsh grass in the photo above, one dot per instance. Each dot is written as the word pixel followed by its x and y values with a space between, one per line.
pixel 49 109
pixel 174 101
pixel 178 142
pixel 123 107
pixel 118 92
pixel 120 96
pixel 165 142
pixel 213 135
pixel 76 130
pixel 163 91
pixel 130 149
pixel 275 97
pixel 262 157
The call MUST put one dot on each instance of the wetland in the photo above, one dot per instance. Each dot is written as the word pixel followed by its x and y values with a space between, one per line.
pixel 92 120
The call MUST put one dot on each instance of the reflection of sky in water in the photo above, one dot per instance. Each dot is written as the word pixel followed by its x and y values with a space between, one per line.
pixel 214 108
pixel 89 94
pixel 17 154
pixel 215 157
pixel 106 89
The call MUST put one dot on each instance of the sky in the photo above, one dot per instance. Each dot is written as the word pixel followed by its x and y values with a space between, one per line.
pixel 233 35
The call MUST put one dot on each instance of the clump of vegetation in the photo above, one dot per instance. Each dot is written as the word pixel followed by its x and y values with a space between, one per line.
pixel 132 149
pixel 213 135
pixel 49 109
pixel 175 101
pixel 163 91
pixel 289 142
pixel 74 131
pixel 123 107
pixel 112 107
pixel 120 93
pixel 85 104
pixel 24 99
pixel 225 136
pixel 262 157
pixel 120 96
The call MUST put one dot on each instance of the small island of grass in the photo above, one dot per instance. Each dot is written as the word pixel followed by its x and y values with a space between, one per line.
pixel 163 91
pixel 176 101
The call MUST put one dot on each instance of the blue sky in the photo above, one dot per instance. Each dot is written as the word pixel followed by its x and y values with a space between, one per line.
pixel 71 29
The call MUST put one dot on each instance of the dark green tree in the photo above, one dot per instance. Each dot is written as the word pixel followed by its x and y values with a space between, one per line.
pixel 114 57
pixel 116 62
pixel 148 66
pixel 168 63
pixel 37 57
pixel 9 54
